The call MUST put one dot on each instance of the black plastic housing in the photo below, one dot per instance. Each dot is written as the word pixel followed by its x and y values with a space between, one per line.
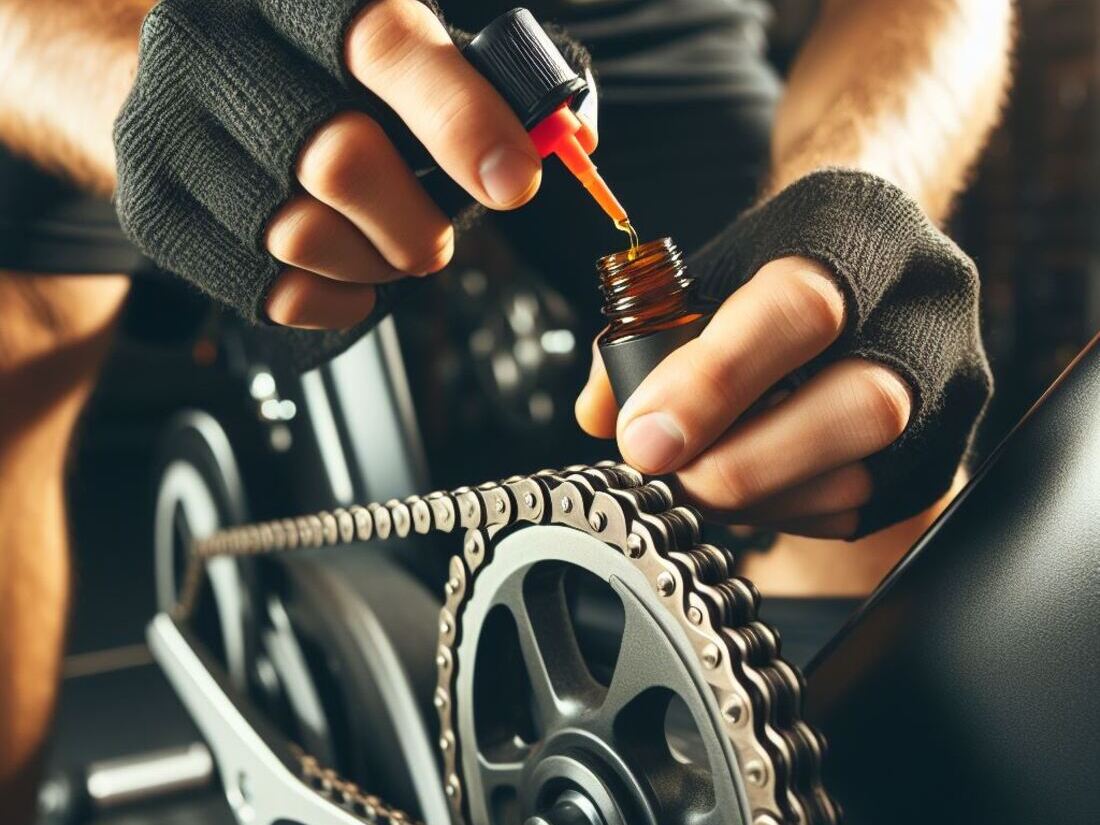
pixel 965 691
pixel 630 360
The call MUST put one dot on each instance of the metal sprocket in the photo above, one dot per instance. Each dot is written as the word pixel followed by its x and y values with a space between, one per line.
pixel 758 696
pixel 591 735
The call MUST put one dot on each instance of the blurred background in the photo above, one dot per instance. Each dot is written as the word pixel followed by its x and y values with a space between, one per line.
pixel 495 362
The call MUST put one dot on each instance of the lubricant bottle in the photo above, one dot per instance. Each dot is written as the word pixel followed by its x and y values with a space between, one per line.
pixel 650 309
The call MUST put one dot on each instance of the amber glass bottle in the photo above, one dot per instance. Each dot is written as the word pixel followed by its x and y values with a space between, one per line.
pixel 649 305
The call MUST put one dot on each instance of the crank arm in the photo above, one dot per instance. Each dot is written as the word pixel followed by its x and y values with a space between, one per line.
pixel 256 766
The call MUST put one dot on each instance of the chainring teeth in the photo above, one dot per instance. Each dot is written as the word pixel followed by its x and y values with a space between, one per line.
pixel 782 785
pixel 757 694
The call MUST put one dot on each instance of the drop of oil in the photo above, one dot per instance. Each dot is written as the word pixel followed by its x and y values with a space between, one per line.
pixel 625 226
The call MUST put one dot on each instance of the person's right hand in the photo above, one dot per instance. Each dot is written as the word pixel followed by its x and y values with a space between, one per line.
pixel 363 219
pixel 252 159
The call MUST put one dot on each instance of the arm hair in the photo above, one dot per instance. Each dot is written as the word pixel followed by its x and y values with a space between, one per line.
pixel 907 90
pixel 67 66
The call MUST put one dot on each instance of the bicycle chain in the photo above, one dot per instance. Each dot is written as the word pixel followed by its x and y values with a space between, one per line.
pixel 758 693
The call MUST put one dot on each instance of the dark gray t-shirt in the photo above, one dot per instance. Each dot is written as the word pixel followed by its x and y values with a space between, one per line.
pixel 661 51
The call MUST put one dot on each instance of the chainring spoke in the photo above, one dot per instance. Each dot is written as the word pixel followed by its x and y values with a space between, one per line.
pixel 560 681
pixel 633 673
pixel 495 775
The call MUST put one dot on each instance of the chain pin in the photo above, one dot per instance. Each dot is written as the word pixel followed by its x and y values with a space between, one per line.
pixel 666 585
pixel 734 710
pixel 711 656
pixel 755 773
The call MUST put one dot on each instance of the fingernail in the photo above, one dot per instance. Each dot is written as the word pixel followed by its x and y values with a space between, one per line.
pixel 652 442
pixel 507 174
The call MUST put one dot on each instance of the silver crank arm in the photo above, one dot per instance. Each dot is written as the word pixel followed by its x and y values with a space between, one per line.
pixel 259 784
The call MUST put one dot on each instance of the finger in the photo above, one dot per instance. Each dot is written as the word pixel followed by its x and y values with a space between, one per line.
pixel 588 135
pixel 780 319
pixel 595 408
pixel 847 412
pixel 833 526
pixel 400 51
pixel 309 301
pixel 350 165
pixel 845 488
pixel 308 234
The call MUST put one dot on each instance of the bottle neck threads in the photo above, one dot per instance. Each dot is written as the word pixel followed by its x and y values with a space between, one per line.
pixel 645 290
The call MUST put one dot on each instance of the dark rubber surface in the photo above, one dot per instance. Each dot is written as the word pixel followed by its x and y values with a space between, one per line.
pixel 965 691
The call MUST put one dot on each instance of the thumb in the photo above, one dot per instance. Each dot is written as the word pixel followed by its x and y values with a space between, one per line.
pixel 596 409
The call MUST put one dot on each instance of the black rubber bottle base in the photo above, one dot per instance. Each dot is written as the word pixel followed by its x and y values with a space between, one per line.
pixel 628 362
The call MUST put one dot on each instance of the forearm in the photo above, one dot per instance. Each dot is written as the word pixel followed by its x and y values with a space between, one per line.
pixel 908 91
pixel 54 334
pixel 67 68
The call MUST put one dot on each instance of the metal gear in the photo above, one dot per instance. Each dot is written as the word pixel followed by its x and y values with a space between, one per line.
pixel 740 689
pixel 596 745
pixel 332 647
pixel 199 492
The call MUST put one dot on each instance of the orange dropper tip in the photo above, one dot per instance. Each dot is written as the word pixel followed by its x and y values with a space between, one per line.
pixel 603 195
pixel 563 134
pixel 571 153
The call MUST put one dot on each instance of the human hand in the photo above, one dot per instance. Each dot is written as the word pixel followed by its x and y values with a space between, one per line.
pixel 363 218
pixel 253 162
pixel 789 462
pixel 842 278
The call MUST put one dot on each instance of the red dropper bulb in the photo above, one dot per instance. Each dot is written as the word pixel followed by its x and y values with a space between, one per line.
pixel 563 134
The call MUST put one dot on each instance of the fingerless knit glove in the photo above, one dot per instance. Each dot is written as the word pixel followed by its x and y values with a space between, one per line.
pixel 226 94
pixel 912 304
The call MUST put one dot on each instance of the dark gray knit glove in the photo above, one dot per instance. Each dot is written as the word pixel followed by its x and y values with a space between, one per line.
pixel 912 304
pixel 226 94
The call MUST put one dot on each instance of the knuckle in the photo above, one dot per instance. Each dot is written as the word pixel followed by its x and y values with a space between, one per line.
pixel 290 300
pixel 429 252
pixel 291 235
pixel 809 307
pixel 708 377
pixel 385 34
pixel 854 487
pixel 842 525
pixel 884 399
pixel 458 117
pixel 336 159
pixel 736 484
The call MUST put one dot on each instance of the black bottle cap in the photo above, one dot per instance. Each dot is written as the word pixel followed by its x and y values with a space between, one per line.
pixel 524 65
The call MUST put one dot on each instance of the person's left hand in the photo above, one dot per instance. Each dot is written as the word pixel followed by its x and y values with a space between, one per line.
pixel 740 450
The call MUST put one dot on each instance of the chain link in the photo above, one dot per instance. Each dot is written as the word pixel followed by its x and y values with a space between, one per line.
pixel 758 693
